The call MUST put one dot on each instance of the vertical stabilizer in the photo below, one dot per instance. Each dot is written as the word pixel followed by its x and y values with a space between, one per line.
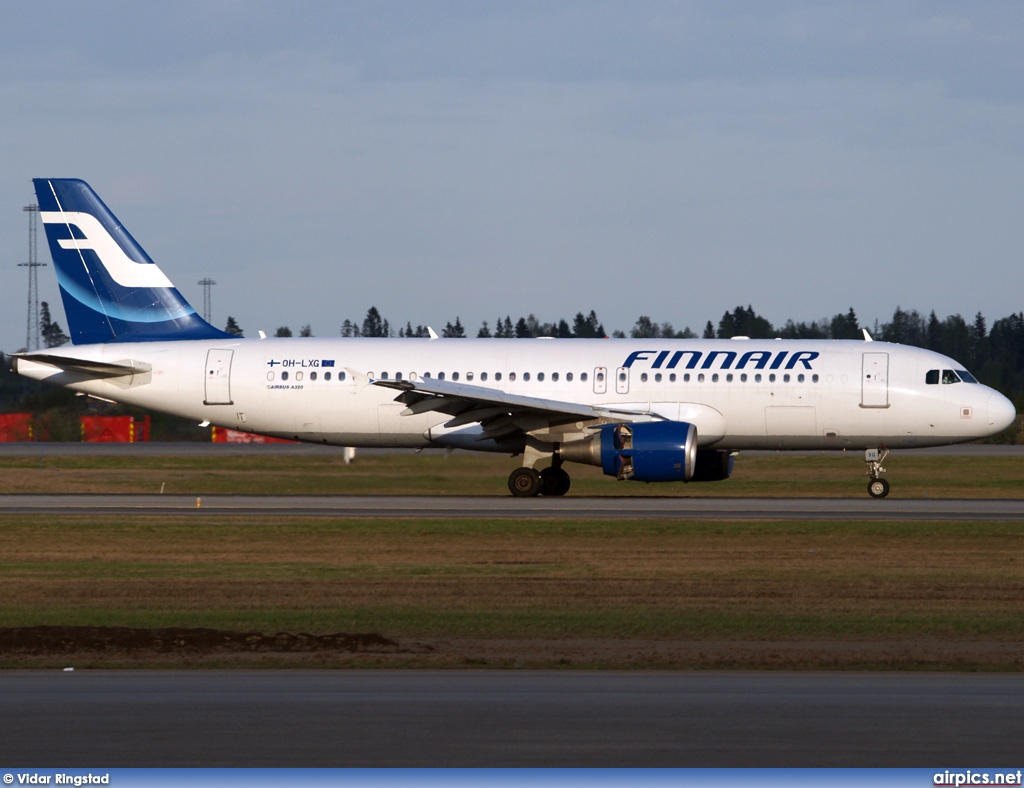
pixel 112 290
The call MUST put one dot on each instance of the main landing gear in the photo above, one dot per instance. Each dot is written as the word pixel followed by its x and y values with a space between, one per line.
pixel 877 487
pixel 527 482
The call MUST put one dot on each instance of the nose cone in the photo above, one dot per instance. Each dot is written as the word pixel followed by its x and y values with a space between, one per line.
pixel 1001 413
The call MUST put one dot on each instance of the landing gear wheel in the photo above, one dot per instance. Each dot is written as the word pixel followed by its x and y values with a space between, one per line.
pixel 878 488
pixel 524 482
pixel 554 481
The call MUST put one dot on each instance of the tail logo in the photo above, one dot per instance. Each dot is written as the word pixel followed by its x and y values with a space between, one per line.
pixel 91 235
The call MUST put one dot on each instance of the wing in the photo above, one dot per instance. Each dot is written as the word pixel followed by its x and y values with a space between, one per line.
pixel 500 414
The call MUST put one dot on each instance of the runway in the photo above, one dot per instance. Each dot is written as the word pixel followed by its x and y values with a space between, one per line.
pixel 449 507
pixel 508 718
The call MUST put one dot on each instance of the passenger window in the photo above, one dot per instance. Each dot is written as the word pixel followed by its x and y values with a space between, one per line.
pixel 312 376
pixel 526 376
pixel 554 377
pixel 341 376
pixel 497 376
pixel 284 376
pixel 643 377
pixel 483 376
pixel 568 377
pixel 540 376
pixel 455 376
pixel 327 376
pixel 440 376
pixel 657 377
pixel 469 376
pixel 512 377
pixel 583 377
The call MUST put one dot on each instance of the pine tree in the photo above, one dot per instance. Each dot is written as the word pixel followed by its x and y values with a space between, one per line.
pixel 454 332
pixel 374 325
pixel 53 335
pixel 644 328
pixel 232 327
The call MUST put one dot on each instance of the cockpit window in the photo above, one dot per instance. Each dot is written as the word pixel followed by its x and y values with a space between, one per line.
pixel 934 376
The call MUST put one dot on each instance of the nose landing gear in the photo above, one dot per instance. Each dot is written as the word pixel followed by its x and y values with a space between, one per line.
pixel 877 487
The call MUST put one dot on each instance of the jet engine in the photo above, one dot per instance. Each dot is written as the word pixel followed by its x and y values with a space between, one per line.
pixel 657 451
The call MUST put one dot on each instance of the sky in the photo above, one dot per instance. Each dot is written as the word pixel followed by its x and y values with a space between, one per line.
pixel 464 159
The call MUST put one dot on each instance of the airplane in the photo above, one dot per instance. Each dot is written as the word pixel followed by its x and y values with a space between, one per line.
pixel 647 410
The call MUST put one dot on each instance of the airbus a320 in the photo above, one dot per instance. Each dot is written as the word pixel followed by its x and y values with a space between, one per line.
pixel 645 410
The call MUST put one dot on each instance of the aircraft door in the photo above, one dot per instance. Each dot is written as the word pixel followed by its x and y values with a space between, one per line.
pixel 218 377
pixel 622 380
pixel 874 380
pixel 600 380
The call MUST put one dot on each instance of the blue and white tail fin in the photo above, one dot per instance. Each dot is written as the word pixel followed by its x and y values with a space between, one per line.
pixel 112 290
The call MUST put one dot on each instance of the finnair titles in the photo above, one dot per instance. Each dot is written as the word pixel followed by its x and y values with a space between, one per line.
pixel 642 410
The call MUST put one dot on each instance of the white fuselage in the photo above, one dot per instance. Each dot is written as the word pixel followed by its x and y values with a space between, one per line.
pixel 740 394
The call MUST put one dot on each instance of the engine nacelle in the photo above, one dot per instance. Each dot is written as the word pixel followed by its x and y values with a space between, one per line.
pixel 656 451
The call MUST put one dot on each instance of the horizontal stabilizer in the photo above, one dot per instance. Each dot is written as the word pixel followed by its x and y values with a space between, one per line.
pixel 84 366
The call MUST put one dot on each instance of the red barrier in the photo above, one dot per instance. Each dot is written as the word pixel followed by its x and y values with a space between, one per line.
pixel 224 435
pixel 114 429
pixel 15 427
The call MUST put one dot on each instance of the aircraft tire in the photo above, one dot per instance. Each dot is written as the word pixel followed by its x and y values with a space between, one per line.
pixel 554 481
pixel 878 488
pixel 524 482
